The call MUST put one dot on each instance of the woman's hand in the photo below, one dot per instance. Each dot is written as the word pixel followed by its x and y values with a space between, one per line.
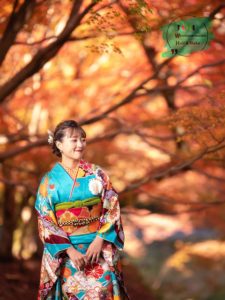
pixel 94 249
pixel 78 259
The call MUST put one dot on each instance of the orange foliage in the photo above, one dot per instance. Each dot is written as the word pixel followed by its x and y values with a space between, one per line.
pixel 146 118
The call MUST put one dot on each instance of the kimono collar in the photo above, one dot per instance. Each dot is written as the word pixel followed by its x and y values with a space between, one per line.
pixel 86 166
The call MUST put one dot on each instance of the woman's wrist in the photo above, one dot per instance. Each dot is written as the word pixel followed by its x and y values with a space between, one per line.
pixel 68 250
pixel 98 238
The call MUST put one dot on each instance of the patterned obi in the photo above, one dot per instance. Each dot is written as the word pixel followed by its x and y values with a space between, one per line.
pixel 80 216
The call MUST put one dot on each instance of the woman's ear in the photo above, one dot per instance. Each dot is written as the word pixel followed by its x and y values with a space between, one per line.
pixel 58 145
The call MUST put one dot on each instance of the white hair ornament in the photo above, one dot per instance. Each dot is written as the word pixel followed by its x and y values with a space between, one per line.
pixel 50 137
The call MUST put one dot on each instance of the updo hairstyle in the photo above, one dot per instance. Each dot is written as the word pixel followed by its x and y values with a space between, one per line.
pixel 60 132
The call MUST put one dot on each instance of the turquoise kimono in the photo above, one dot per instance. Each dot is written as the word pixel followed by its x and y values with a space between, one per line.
pixel 66 220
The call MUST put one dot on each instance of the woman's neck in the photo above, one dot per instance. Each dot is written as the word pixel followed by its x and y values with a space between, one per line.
pixel 70 163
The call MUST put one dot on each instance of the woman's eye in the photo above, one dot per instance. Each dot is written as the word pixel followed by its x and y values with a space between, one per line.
pixel 83 140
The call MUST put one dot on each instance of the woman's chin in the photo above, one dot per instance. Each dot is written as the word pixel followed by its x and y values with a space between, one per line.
pixel 77 155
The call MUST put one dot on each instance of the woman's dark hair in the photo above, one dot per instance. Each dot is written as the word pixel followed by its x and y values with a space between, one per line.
pixel 59 133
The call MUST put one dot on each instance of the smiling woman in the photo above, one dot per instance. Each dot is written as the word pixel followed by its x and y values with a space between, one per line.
pixel 69 142
pixel 80 225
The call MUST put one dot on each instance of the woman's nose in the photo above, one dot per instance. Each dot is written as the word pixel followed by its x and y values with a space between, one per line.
pixel 80 143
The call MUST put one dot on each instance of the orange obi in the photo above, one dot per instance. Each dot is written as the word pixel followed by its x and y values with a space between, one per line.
pixel 80 216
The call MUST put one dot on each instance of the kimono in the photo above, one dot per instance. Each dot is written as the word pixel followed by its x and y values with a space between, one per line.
pixel 63 221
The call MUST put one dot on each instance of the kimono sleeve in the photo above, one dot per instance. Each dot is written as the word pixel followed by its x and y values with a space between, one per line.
pixel 110 228
pixel 52 236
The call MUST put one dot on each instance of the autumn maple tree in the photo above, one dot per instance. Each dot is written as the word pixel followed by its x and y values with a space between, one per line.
pixel 155 122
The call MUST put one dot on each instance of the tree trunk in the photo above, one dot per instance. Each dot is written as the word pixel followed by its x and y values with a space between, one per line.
pixel 6 238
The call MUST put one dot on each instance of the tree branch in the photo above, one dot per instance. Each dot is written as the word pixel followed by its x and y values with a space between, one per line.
pixel 210 176
pixel 173 201
pixel 16 22
pixel 216 10
pixel 45 54
pixel 173 170
pixel 215 64
pixel 17 183
pixel 128 98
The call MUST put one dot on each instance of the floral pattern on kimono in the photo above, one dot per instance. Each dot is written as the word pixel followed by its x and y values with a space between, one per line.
pixel 56 240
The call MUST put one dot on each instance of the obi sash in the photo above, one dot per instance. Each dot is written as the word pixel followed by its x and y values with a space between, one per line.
pixel 80 216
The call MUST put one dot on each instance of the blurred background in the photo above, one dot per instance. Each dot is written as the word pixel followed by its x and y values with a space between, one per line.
pixel 155 123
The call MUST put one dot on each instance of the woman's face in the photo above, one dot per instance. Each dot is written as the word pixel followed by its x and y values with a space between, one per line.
pixel 72 145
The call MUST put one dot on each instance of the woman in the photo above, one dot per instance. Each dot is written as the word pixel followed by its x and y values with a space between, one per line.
pixel 80 225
